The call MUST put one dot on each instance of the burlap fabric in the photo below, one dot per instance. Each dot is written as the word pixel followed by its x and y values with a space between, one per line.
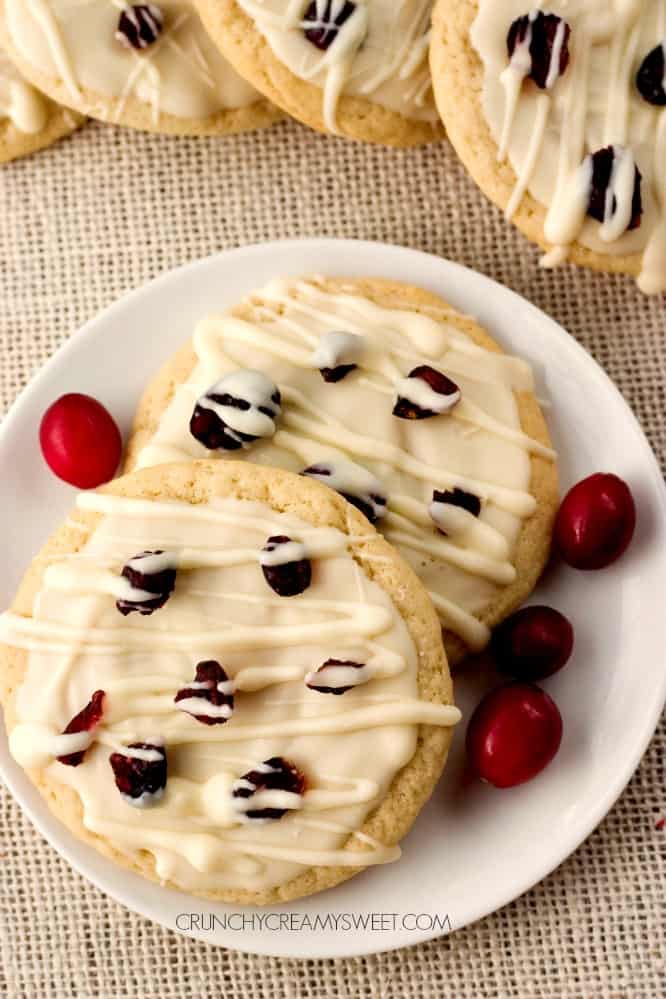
pixel 105 211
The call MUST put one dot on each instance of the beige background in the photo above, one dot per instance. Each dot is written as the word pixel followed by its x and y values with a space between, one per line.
pixel 106 210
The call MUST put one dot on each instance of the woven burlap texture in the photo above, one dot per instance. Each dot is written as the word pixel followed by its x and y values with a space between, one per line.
pixel 103 212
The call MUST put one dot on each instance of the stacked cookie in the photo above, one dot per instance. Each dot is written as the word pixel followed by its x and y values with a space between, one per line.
pixel 558 115
pixel 228 671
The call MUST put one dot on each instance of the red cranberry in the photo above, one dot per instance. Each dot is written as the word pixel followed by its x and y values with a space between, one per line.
pixel 440 386
pixel 458 497
pixel 322 680
pixel 141 781
pixel 651 77
pixel 354 483
pixel 533 643
pixel 542 30
pixel 285 574
pixel 86 720
pixel 338 373
pixel 513 734
pixel 150 572
pixel 321 27
pixel 210 698
pixel 595 522
pixel 139 25
pixel 276 774
pixel 602 169
pixel 80 441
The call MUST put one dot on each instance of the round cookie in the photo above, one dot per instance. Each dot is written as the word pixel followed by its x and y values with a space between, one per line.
pixel 560 134
pixel 149 66
pixel 485 552
pixel 355 69
pixel 28 120
pixel 208 819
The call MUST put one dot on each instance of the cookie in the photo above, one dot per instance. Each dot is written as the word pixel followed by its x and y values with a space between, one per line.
pixel 356 69
pixel 222 677
pixel 148 66
pixel 559 117
pixel 387 394
pixel 28 120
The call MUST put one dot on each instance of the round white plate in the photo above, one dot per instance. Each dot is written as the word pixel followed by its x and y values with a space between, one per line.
pixel 473 848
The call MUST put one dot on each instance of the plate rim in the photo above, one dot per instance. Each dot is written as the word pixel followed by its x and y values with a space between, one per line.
pixel 67 845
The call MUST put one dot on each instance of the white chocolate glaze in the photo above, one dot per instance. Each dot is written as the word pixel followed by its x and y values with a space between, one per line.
pixel 25 107
pixel 380 52
pixel 547 134
pixel 348 429
pixel 182 73
pixel 222 609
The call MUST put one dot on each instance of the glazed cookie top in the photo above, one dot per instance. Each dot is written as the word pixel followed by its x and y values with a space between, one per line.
pixel 157 54
pixel 399 409
pixel 373 50
pixel 575 95
pixel 21 103
pixel 222 681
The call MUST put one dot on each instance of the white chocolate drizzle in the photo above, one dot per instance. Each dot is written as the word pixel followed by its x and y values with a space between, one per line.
pixel 20 103
pixel 346 430
pixel 199 834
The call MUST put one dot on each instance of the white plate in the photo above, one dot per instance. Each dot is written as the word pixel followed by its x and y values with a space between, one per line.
pixel 473 849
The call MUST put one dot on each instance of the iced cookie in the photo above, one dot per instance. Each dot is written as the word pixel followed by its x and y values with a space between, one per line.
pixel 559 115
pixel 150 66
pixel 386 394
pixel 222 677
pixel 358 68
pixel 28 120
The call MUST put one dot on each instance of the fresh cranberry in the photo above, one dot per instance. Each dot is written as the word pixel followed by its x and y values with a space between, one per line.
pixel 139 25
pixel 276 774
pixel 542 30
pixel 80 441
pixel 602 170
pixel 533 643
pixel 286 578
pixel 595 522
pixel 513 734
pixel 150 572
pixel 322 27
pixel 651 77
pixel 86 720
pixel 321 685
pixel 439 384
pixel 213 693
pixel 141 782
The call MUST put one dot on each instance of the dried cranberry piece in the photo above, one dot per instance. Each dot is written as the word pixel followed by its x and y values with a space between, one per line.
pixel 139 25
pixel 544 34
pixel 242 390
pixel 409 409
pixel 86 720
pixel 602 169
pixel 355 484
pixel 651 76
pixel 287 578
pixel 323 688
pixel 321 24
pixel 337 374
pixel 213 692
pixel 276 774
pixel 458 497
pixel 160 581
pixel 141 782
